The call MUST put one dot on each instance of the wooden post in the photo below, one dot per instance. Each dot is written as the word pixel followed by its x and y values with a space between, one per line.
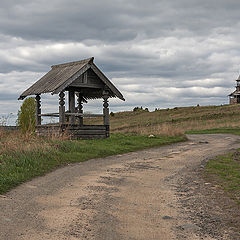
pixel 80 108
pixel 61 108
pixel 106 113
pixel 71 103
pixel 38 109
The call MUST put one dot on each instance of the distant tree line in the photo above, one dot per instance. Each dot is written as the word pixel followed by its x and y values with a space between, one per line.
pixel 140 109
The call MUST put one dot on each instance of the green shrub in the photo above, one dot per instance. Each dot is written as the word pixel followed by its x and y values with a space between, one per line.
pixel 26 115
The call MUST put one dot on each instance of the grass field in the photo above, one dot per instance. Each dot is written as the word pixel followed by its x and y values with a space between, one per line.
pixel 175 121
pixel 226 130
pixel 24 157
pixel 225 171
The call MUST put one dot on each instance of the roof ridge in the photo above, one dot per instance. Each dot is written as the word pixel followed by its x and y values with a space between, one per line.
pixel 87 60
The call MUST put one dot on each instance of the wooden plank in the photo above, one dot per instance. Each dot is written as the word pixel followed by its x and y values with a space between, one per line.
pixel 87 132
pixel 97 86
pixel 89 127
pixel 49 115
pixel 73 114
pixel 75 131
pixel 83 115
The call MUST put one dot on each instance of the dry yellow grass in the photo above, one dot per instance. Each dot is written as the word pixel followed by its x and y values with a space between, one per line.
pixel 169 122
pixel 173 122
pixel 15 141
pixel 163 129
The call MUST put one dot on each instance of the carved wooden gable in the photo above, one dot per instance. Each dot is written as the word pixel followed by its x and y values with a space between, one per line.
pixel 89 79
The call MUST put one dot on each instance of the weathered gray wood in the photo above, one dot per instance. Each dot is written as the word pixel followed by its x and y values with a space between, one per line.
pixel 86 127
pixel 61 108
pixel 38 109
pixel 105 109
pixel 86 115
pixel 83 115
pixel 49 114
pixel 73 131
pixel 89 79
pixel 71 79
pixel 106 116
pixel 73 114
pixel 84 78
pixel 71 103
pixel 61 76
pixel 80 109
pixel 88 132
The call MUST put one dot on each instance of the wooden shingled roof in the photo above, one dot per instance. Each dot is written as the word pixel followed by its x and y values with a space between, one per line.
pixel 61 76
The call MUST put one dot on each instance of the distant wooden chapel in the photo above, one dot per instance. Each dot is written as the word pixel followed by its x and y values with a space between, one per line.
pixel 84 80
pixel 234 97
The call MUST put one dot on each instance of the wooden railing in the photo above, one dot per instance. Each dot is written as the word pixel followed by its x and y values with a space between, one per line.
pixel 84 115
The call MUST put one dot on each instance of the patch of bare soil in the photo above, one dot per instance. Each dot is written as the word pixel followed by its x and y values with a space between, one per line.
pixel 152 194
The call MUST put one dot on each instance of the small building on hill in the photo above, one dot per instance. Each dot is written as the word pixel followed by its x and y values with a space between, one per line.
pixel 81 79
pixel 234 97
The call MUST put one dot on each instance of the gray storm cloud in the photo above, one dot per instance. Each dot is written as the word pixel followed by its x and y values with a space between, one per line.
pixel 158 53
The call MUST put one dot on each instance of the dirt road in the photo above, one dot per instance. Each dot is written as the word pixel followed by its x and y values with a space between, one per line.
pixel 152 194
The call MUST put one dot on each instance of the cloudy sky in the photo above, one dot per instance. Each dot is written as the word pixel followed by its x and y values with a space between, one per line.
pixel 158 53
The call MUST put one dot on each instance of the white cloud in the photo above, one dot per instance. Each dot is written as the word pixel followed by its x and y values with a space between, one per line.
pixel 158 53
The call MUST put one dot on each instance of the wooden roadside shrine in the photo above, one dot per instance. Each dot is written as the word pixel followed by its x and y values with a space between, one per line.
pixel 84 80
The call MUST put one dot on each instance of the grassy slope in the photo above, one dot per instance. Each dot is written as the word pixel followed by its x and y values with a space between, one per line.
pixel 17 166
pixel 177 120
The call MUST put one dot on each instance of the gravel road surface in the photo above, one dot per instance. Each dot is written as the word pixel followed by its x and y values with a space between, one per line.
pixel 155 194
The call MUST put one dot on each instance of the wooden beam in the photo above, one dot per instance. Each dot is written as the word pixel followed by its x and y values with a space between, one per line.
pixel 80 108
pixel 106 112
pixel 71 104
pixel 83 114
pixel 38 110
pixel 49 115
pixel 61 107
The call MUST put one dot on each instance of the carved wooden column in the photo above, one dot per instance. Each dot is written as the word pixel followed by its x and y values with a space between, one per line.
pixel 71 103
pixel 38 109
pixel 106 112
pixel 61 107
pixel 80 108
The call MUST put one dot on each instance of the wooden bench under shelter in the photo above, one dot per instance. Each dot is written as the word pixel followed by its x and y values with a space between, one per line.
pixel 84 80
